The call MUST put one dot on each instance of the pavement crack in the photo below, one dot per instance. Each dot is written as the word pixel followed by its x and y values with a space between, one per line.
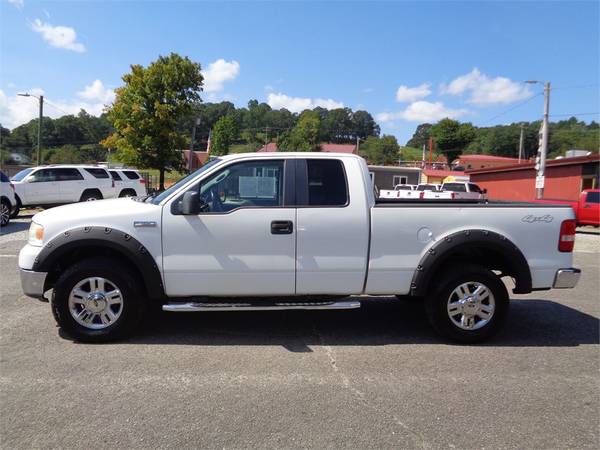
pixel 360 396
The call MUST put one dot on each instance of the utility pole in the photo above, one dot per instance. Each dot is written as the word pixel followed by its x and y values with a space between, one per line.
pixel 39 146
pixel 41 117
pixel 357 144
pixel 540 161
pixel 521 139
pixel 192 154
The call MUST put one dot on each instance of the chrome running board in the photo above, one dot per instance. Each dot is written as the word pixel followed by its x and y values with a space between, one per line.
pixel 266 306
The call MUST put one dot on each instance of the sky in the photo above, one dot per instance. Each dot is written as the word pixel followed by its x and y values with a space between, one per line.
pixel 404 62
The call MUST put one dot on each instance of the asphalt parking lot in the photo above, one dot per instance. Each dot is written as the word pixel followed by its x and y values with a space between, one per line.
pixel 376 377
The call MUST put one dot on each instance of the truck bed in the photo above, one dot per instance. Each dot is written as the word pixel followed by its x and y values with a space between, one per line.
pixel 436 202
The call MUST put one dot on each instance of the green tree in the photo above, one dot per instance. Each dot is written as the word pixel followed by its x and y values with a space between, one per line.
pixel 380 150
pixel 148 109
pixel 224 133
pixel 421 136
pixel 452 137
pixel 67 154
pixel 304 137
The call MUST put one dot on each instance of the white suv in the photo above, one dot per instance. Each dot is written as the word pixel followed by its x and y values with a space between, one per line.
pixel 128 183
pixel 59 184
pixel 8 203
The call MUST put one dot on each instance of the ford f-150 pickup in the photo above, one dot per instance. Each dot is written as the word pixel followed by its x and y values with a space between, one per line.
pixel 290 231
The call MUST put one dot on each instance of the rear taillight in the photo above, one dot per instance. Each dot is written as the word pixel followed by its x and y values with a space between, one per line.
pixel 566 240
pixel 453 195
pixel 422 194
pixel 142 181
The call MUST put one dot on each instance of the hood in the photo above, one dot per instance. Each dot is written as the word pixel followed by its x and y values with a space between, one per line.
pixel 117 213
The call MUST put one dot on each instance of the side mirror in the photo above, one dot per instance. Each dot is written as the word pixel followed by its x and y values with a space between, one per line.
pixel 190 204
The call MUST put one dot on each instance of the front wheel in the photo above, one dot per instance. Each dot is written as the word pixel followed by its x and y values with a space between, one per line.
pixel 96 300
pixel 469 305
pixel 4 213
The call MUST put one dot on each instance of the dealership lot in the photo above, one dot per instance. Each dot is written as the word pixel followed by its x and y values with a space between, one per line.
pixel 371 378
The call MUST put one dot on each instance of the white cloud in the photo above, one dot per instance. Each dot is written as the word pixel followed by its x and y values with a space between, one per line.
pixel 58 36
pixel 18 3
pixel 97 92
pixel 368 90
pixel 219 72
pixel 299 104
pixel 422 111
pixel 408 94
pixel 483 90
pixel 16 110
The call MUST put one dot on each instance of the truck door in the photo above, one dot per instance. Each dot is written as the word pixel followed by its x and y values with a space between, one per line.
pixel 243 243
pixel 43 187
pixel 589 208
pixel 333 226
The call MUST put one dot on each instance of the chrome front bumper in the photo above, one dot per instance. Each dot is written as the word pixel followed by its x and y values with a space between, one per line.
pixel 32 283
pixel 566 278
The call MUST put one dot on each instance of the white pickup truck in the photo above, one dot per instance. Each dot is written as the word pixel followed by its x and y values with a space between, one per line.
pixel 290 231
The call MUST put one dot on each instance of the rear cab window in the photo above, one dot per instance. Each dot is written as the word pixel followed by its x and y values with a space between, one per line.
pixel 325 184
pixel 131 174
pixel 592 197
pixel 455 187
pixel 3 178
pixel 97 173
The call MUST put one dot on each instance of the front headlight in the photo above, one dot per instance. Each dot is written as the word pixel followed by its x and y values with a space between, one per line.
pixel 36 234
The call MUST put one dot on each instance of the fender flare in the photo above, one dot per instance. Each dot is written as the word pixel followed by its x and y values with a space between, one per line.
pixel 446 247
pixel 128 247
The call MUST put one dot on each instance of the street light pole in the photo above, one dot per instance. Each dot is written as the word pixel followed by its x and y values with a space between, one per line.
pixel 41 117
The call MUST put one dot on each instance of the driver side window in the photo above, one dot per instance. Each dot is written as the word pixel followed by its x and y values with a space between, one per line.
pixel 244 185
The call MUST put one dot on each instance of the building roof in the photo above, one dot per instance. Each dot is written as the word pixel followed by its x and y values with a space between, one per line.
pixel 442 173
pixel 531 165
pixel 325 147
pixel 487 158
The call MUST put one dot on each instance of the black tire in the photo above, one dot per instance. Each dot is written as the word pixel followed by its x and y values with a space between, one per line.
pixel 131 309
pixel 4 212
pixel 89 196
pixel 17 207
pixel 127 193
pixel 436 304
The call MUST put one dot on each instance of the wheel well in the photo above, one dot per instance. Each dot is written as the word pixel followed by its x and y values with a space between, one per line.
pixel 91 191
pixel 84 252
pixel 126 191
pixel 486 249
pixel 5 200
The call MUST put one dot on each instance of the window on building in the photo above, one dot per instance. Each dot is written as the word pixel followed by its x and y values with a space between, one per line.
pixel 399 179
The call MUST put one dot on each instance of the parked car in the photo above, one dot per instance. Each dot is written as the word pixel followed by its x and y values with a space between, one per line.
pixel 400 191
pixel 8 202
pixel 464 190
pixel 128 183
pixel 290 231
pixel 586 208
pixel 60 184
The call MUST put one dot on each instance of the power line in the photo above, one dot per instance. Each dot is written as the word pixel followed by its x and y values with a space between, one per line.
pixel 513 108
pixel 575 114
pixel 56 107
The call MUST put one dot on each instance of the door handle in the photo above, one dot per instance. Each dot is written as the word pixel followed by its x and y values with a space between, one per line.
pixel 282 227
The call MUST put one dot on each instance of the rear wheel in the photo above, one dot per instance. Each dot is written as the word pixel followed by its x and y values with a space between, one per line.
pixel 4 213
pixel 127 193
pixel 96 300
pixel 90 196
pixel 469 305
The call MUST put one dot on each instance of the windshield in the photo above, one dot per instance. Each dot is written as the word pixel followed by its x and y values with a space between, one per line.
pixel 160 197
pixel 22 174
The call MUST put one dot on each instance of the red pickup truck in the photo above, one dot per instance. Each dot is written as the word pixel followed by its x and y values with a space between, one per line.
pixel 587 208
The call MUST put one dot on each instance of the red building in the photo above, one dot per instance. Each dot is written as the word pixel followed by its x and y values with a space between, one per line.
pixel 565 179
pixel 326 148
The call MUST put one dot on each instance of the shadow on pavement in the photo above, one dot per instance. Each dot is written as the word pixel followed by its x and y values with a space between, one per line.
pixel 380 321
pixel 14 227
